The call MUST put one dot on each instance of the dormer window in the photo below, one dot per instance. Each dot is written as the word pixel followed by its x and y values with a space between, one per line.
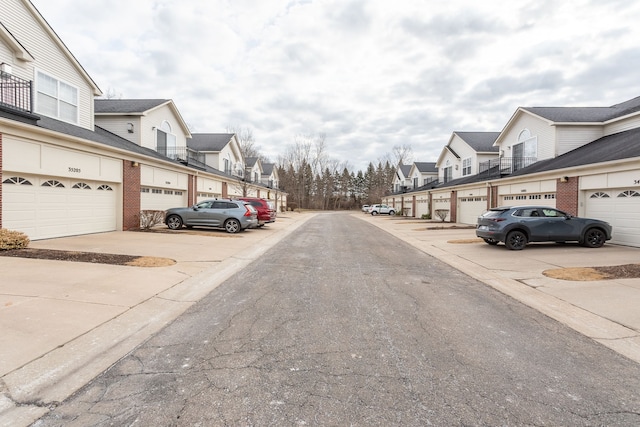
pixel 56 99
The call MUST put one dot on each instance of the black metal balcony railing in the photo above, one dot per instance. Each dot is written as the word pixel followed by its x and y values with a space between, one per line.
pixel 15 93
pixel 502 166
pixel 184 156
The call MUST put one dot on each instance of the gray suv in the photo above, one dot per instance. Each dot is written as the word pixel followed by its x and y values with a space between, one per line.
pixel 518 225
pixel 232 215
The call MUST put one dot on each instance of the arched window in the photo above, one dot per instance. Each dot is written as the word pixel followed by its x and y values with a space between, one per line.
pixel 166 140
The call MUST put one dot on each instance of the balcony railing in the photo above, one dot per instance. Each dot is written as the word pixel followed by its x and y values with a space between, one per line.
pixel 15 93
pixel 502 166
pixel 184 156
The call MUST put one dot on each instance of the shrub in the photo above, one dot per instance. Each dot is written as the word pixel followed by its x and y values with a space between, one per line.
pixel 426 216
pixel 442 214
pixel 10 239
pixel 149 219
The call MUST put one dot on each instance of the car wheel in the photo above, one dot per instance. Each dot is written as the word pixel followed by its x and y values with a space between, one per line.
pixel 232 225
pixel 516 240
pixel 374 212
pixel 174 222
pixel 392 213
pixel 594 238
pixel 491 242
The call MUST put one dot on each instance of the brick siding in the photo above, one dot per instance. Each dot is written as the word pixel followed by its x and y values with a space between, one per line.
pixel 453 213
pixel 567 195
pixel 130 195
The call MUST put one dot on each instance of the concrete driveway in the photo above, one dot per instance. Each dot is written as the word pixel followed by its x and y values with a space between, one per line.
pixel 63 323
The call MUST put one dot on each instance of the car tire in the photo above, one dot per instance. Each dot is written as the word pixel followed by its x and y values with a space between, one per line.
pixel 174 222
pixel 491 242
pixel 516 240
pixel 232 225
pixel 374 213
pixel 392 213
pixel 594 238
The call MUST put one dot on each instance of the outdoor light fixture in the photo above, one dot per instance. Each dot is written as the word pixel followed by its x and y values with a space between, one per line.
pixel 5 68
pixel 564 179
pixel 130 127
pixel 135 164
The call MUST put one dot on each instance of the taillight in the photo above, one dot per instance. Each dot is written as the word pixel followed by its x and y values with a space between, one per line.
pixel 497 219
pixel 248 212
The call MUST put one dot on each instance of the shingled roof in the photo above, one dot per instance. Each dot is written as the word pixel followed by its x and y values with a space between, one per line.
pixel 480 141
pixel 127 106
pixel 586 114
pixel 209 141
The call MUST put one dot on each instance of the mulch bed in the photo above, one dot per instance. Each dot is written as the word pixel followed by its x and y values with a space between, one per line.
pixel 91 257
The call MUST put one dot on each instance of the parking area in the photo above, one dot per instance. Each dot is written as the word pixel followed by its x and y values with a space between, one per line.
pixel 605 310
pixel 62 325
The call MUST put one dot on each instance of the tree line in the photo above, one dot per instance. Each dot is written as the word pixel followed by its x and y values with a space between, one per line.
pixel 313 179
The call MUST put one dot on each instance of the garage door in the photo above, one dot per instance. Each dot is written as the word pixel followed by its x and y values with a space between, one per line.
pixel 470 208
pixel 621 209
pixel 443 206
pixel 47 207
pixel 160 199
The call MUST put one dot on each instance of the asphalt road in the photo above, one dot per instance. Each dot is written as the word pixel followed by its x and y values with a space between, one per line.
pixel 344 324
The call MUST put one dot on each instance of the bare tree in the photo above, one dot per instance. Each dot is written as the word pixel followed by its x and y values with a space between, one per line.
pixel 246 140
pixel 400 154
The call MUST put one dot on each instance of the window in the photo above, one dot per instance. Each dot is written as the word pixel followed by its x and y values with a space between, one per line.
pixel 166 141
pixel 82 185
pixel 16 180
pixel 629 193
pixel 448 174
pixel 56 99
pixel 525 152
pixel 53 183
pixel 466 166
pixel 105 187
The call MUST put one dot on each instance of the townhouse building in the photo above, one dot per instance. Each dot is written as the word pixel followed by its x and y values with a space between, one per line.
pixel 583 160
pixel 72 164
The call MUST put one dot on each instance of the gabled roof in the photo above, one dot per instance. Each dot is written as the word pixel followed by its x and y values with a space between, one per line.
pixel 267 168
pixel 250 161
pixel 209 141
pixel 127 106
pixel 479 141
pixel 426 167
pixel 405 169
pixel 18 49
pixel 137 107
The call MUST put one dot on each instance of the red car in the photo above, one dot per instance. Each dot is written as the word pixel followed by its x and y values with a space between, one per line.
pixel 266 213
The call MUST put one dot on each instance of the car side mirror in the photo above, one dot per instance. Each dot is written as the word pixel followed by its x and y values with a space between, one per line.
pixel 194 207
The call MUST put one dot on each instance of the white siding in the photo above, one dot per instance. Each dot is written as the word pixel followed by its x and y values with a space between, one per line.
pixel 118 126
pixel 153 120
pixel 622 125
pixel 538 128
pixel 572 137
pixel 49 56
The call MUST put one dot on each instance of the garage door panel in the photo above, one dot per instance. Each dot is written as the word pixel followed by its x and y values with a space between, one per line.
pixel 620 212
pixel 47 212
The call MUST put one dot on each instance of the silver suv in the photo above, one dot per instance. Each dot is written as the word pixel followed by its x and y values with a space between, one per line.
pixel 381 209
pixel 232 215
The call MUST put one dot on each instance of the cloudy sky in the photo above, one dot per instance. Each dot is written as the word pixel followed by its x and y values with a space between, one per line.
pixel 367 74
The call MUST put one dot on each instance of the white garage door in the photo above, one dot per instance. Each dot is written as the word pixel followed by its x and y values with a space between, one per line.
pixel 47 207
pixel 160 199
pixel 621 209
pixel 470 208
pixel 541 199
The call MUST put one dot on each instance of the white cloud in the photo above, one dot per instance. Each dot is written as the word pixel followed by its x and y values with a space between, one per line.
pixel 368 74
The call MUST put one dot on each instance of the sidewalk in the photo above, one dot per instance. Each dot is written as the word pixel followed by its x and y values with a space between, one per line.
pixel 63 323
pixel 606 311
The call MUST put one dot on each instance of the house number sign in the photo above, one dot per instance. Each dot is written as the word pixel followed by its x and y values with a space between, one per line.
pixel 74 170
